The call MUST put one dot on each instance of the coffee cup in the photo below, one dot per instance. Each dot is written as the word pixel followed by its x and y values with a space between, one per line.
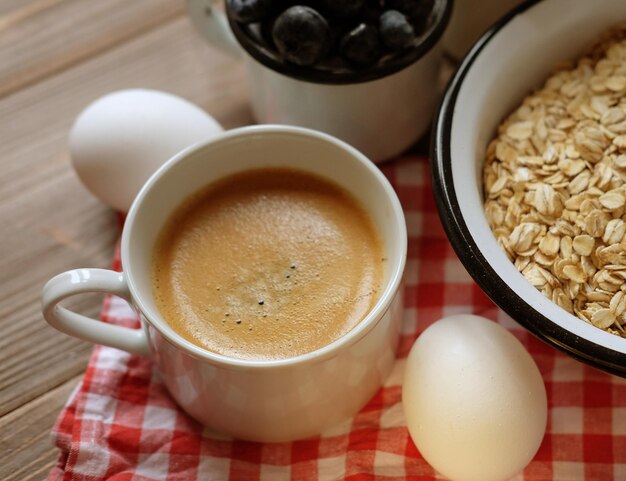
pixel 381 111
pixel 258 400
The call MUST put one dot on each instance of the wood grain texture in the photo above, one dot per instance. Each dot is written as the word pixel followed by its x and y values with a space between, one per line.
pixel 27 450
pixel 56 56
pixel 45 36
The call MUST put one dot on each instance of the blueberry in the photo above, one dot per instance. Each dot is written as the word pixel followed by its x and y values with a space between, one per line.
pixel 342 8
pixel 417 11
pixel 249 11
pixel 361 46
pixel 396 32
pixel 301 35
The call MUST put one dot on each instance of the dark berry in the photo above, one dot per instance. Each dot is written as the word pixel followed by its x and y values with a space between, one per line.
pixel 248 11
pixel 361 46
pixel 417 11
pixel 396 32
pixel 342 8
pixel 301 35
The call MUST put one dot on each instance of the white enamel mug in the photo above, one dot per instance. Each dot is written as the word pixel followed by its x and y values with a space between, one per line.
pixel 381 113
pixel 264 400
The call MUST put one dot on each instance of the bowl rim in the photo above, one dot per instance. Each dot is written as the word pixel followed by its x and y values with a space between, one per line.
pixel 456 229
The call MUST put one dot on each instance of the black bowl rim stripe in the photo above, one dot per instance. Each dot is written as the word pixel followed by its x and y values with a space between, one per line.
pixel 442 10
pixel 468 252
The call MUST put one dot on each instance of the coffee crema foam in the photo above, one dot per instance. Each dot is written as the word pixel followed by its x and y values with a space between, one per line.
pixel 268 264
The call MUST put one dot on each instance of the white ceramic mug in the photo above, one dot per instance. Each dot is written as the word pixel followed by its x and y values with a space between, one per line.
pixel 381 115
pixel 255 400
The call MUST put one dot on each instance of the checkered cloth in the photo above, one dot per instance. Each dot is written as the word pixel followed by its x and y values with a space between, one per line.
pixel 121 424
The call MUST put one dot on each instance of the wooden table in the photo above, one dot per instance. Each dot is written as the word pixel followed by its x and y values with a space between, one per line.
pixel 56 56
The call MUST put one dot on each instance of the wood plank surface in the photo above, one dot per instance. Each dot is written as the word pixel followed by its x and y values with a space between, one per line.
pixel 25 444
pixel 38 38
pixel 56 56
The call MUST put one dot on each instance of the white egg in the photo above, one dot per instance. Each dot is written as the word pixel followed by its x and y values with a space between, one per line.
pixel 474 400
pixel 121 139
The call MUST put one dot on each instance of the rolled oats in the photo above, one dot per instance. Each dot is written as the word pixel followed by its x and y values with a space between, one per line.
pixel 555 186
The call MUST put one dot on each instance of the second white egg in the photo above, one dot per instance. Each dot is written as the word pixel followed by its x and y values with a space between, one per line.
pixel 474 400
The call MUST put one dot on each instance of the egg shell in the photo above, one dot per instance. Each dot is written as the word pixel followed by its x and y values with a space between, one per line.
pixel 474 400
pixel 121 139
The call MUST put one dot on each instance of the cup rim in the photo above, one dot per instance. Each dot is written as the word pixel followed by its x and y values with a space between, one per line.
pixel 359 331
pixel 442 11
pixel 457 231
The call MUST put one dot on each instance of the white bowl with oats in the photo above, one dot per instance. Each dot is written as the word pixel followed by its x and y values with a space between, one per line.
pixel 529 172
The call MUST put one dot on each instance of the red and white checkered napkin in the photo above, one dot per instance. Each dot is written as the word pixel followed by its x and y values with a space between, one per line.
pixel 121 424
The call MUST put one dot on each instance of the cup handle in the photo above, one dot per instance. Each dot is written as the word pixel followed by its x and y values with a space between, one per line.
pixel 80 281
pixel 213 26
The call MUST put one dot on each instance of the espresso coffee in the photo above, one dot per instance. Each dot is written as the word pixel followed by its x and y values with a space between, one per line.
pixel 268 264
